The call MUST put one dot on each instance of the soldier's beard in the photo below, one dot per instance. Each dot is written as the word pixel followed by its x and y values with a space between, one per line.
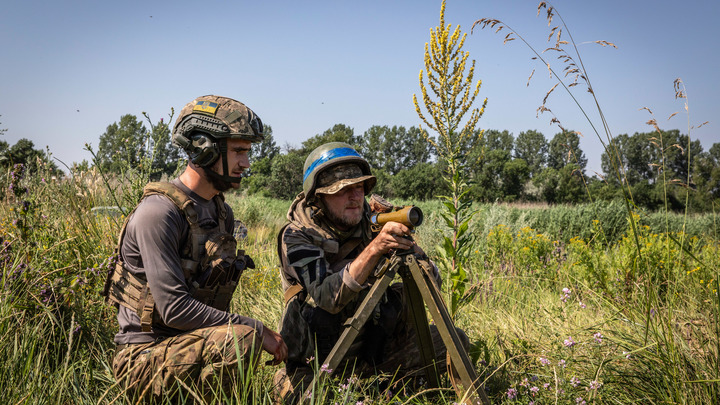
pixel 217 181
pixel 342 219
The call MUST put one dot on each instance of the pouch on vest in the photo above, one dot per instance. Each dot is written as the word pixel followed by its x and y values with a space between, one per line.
pixel 221 269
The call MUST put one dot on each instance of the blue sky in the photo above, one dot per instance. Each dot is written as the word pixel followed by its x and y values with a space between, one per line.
pixel 72 68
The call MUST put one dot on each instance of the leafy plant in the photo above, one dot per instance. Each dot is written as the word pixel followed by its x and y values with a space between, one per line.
pixel 145 157
pixel 454 92
pixel 650 270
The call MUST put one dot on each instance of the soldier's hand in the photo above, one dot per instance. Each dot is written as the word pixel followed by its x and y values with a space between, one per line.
pixel 273 344
pixel 393 235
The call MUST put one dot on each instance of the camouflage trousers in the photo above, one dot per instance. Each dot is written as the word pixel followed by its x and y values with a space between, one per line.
pixel 202 364
pixel 402 360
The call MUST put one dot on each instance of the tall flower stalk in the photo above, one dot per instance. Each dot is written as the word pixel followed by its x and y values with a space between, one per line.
pixel 447 97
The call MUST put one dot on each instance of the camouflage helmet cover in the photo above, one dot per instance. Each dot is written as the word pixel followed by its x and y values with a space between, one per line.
pixel 334 165
pixel 220 117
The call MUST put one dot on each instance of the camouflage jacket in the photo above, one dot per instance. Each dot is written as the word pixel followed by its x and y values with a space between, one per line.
pixel 316 257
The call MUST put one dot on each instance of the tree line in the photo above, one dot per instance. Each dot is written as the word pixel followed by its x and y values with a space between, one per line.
pixel 504 168
pixel 658 167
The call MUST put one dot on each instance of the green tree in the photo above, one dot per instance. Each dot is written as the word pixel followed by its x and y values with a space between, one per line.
pixel 706 177
pixel 265 149
pixel 563 185
pixel 260 172
pixel 454 94
pixel 122 146
pixel 261 157
pixel 532 147
pixel 338 133
pixel 166 159
pixel 564 149
pixel 394 149
pixel 514 175
pixel 24 152
pixel 680 154
pixel 421 182
pixel 487 162
pixel 634 157
pixel 128 145
pixel 286 175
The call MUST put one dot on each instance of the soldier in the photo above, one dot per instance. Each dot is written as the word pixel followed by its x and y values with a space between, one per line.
pixel 328 252
pixel 177 267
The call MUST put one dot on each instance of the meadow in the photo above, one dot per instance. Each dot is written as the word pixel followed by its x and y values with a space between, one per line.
pixel 567 304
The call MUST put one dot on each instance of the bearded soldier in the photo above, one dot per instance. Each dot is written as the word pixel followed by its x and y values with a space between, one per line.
pixel 328 252
pixel 178 266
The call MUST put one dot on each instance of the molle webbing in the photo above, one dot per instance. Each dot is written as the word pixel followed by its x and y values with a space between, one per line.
pixel 132 291
pixel 196 236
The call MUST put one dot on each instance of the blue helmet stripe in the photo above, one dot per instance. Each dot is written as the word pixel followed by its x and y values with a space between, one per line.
pixel 330 155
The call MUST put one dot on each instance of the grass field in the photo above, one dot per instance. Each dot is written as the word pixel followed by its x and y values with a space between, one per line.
pixel 569 304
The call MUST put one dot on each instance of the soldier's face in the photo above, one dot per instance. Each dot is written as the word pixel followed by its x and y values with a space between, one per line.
pixel 346 206
pixel 237 157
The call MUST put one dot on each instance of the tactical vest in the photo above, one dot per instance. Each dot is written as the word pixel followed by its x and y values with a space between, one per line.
pixel 335 252
pixel 209 260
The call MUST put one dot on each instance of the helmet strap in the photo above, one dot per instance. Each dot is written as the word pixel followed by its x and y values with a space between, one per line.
pixel 225 177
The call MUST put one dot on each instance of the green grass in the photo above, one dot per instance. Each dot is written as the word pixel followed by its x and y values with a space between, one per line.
pixel 659 308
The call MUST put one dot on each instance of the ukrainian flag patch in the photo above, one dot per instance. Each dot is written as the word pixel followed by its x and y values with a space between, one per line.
pixel 207 107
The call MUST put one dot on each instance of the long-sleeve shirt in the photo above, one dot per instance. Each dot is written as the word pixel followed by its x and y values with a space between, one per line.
pixel 154 238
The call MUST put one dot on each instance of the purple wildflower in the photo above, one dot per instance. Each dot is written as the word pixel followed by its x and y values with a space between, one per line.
pixel 47 295
pixel 325 368
pixel 580 401
pixel 534 390
pixel 569 342
pixel 575 382
pixel 595 385
pixel 566 294
pixel 544 361
pixel 511 393
pixel 561 363
pixel 598 337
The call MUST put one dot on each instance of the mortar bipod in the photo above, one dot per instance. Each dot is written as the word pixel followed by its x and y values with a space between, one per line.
pixel 420 289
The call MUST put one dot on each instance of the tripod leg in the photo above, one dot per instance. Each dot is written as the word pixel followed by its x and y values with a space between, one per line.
pixel 354 324
pixel 420 322
pixel 458 355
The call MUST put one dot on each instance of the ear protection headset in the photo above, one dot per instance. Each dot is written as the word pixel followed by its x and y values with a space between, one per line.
pixel 202 148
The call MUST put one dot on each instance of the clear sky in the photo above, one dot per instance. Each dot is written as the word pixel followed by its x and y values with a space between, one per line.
pixel 71 68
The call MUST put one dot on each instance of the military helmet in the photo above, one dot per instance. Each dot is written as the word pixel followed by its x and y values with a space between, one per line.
pixel 334 165
pixel 210 119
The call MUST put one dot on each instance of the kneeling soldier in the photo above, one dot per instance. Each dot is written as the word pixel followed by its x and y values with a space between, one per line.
pixel 328 252
pixel 178 267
